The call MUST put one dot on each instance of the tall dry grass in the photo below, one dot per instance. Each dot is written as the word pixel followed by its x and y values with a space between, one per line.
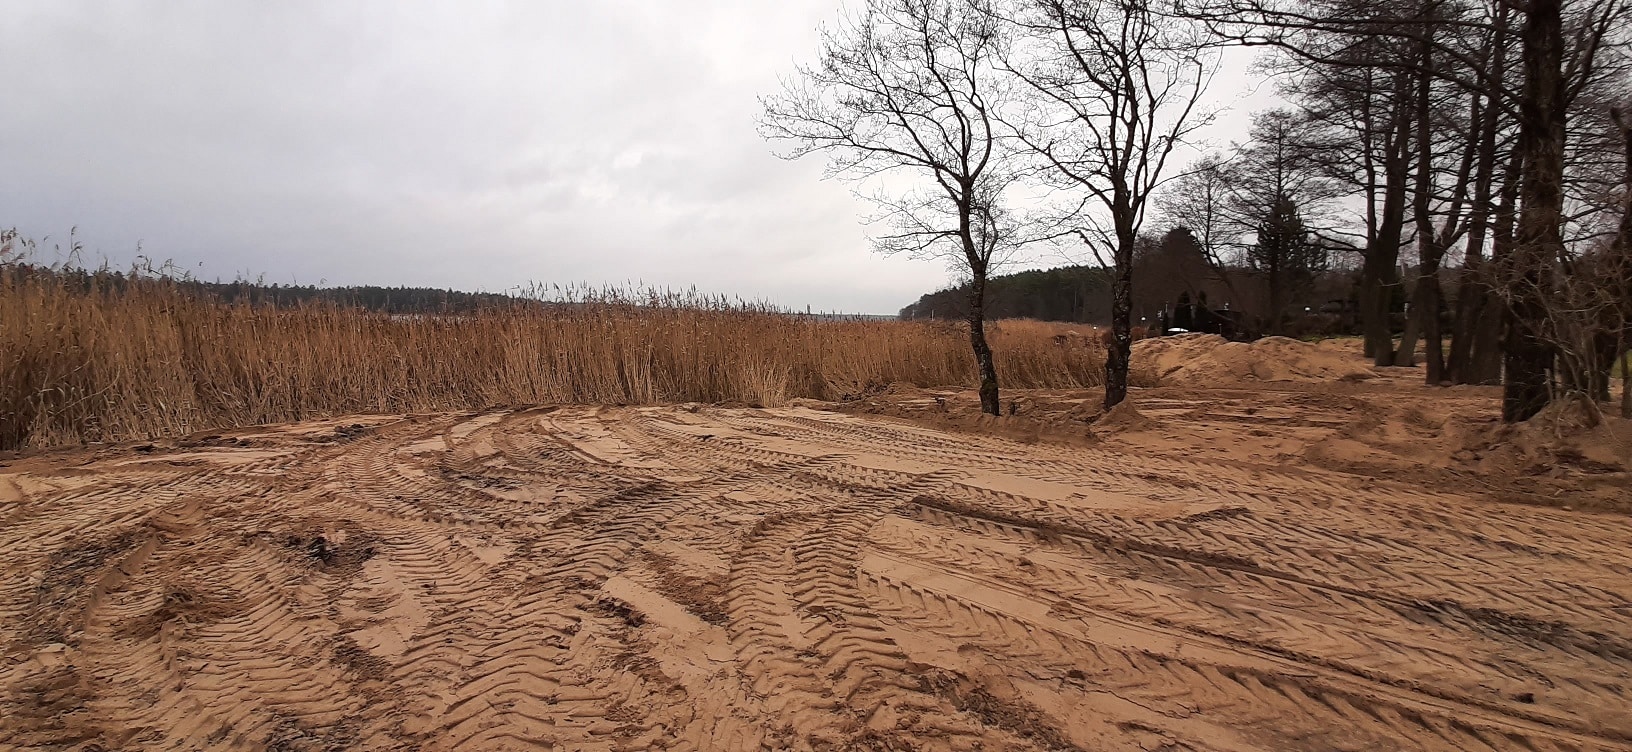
pixel 105 357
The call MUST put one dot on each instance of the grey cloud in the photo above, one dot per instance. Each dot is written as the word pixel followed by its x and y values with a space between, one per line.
pixel 451 144
pixel 472 145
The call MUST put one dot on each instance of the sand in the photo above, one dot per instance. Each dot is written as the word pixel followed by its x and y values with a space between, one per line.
pixel 1208 359
pixel 744 579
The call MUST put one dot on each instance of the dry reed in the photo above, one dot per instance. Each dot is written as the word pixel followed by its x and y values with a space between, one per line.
pixel 90 357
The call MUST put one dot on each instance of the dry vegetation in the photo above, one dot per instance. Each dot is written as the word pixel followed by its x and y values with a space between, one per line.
pixel 100 357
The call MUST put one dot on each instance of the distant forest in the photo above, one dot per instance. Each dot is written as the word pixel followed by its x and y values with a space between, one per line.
pixel 1164 268
pixel 370 297
pixel 395 300
pixel 1067 293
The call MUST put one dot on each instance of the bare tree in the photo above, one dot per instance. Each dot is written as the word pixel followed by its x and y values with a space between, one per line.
pixel 1198 201
pixel 1567 47
pixel 1538 242
pixel 907 92
pixel 1623 263
pixel 1278 191
pixel 1588 325
pixel 1475 353
pixel 1621 252
pixel 1116 87
pixel 1360 112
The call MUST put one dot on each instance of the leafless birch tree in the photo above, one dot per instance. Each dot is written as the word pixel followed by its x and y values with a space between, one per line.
pixel 1115 87
pixel 907 96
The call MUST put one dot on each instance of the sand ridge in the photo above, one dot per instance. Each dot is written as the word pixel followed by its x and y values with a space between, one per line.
pixel 1208 359
pixel 583 578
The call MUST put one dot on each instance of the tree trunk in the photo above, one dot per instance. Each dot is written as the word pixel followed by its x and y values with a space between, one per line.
pixel 1606 344
pixel 1485 364
pixel 1116 357
pixel 1622 248
pixel 1626 375
pixel 1379 336
pixel 1405 355
pixel 1424 294
pixel 1277 298
pixel 1539 241
pixel 1473 319
pixel 1525 363
pixel 1433 338
pixel 1383 249
pixel 1470 306
pixel 1473 303
pixel 977 339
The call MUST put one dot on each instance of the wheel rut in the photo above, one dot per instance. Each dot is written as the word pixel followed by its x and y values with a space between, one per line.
pixel 581 578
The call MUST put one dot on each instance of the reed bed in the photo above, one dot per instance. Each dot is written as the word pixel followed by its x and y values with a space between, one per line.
pixel 89 357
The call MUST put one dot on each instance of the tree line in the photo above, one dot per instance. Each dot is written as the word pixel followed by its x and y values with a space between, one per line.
pixel 1476 137
pixel 392 300
pixel 1310 297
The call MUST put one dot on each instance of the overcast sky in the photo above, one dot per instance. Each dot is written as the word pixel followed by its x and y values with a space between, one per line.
pixel 471 145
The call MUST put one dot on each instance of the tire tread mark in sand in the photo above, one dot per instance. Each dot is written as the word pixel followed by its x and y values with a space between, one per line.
pixel 1098 541
pixel 823 681
pixel 1279 699
pixel 517 635
pixel 595 540
pixel 1366 498
pixel 844 669
pixel 1470 580
pixel 260 694
pixel 1171 542
pixel 1325 633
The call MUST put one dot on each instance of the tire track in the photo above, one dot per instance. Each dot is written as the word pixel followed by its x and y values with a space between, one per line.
pixel 690 579
pixel 1358 636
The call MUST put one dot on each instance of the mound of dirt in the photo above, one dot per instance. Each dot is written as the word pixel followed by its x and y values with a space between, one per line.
pixel 1124 417
pixel 1558 440
pixel 1201 359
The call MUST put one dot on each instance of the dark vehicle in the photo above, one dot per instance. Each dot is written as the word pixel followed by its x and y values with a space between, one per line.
pixel 1188 317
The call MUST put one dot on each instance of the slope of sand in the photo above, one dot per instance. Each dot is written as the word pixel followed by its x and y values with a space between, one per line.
pixel 1204 359
pixel 665 578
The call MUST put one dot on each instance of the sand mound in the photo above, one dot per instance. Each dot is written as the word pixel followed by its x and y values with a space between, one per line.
pixel 1123 417
pixel 1560 437
pixel 1208 358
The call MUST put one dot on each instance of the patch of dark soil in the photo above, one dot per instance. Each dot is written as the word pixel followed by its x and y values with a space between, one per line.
pixel 1013 715
pixel 636 659
pixel 187 606
pixel 293 736
pixel 214 440
pixel 1050 530
pixel 458 476
pixel 1574 458
pixel 589 514
pixel 703 597
pixel 612 608
pixel 355 659
pixel 870 740
pixel 350 432
pixel 340 551
pixel 1222 513
pixel 51 710
pixel 1529 630
pixel 63 593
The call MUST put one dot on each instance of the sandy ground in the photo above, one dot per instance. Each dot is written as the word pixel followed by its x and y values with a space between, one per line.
pixel 743 579
pixel 1280 403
